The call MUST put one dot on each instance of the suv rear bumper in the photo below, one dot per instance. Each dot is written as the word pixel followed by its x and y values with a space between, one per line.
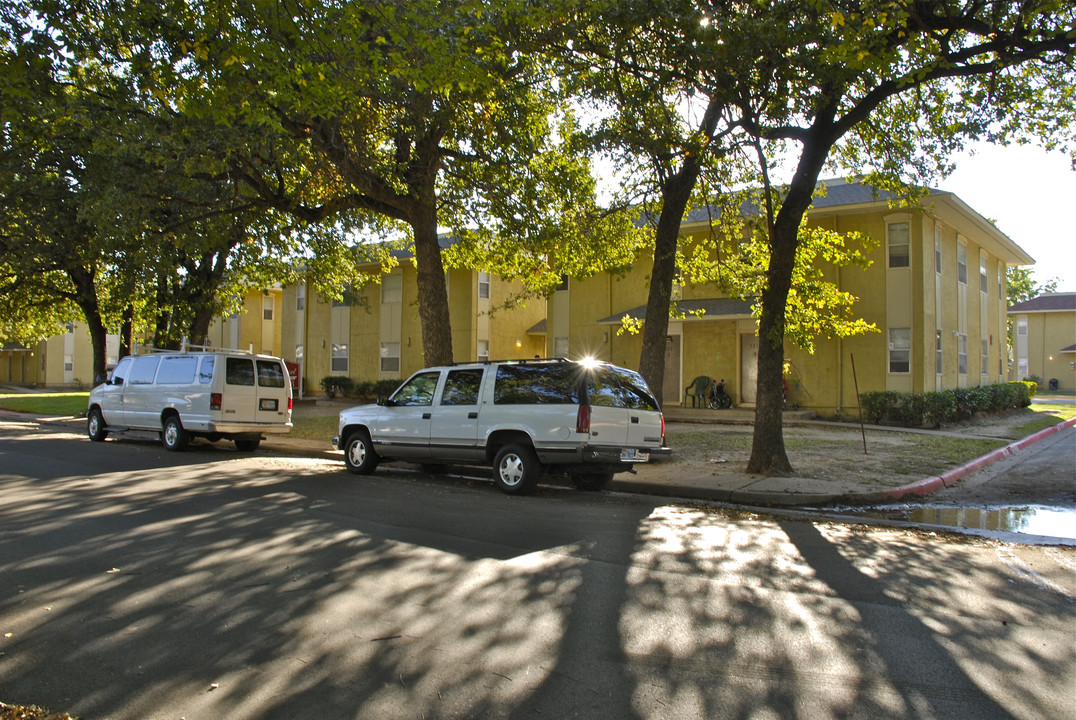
pixel 604 455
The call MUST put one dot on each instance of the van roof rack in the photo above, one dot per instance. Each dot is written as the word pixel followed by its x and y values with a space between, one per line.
pixel 186 347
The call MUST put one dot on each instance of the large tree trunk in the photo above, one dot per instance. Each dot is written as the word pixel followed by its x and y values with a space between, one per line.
pixel 675 194
pixel 432 292
pixel 768 456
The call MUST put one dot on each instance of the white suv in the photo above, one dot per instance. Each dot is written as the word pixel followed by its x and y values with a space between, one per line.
pixel 588 420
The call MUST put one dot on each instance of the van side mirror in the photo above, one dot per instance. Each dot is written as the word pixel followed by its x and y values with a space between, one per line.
pixel 116 381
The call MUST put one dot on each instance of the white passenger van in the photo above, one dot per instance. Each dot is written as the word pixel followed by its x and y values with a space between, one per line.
pixel 215 394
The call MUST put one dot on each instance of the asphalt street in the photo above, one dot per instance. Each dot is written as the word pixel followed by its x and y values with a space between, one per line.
pixel 136 583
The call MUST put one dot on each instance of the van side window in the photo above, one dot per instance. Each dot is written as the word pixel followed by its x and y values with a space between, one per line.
pixel 177 371
pixel 121 371
pixel 461 387
pixel 205 373
pixel 144 369
pixel 239 371
pixel 270 374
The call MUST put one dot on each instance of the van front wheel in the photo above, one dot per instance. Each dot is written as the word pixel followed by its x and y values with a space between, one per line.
pixel 95 426
pixel 174 437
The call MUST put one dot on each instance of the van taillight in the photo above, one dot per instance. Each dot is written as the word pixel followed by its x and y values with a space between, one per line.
pixel 663 428
pixel 582 419
pixel 289 410
pixel 215 400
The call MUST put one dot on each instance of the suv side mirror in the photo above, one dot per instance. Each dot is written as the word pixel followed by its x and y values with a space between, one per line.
pixel 115 381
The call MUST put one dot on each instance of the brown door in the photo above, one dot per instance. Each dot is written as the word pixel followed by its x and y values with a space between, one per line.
pixel 672 387
pixel 748 367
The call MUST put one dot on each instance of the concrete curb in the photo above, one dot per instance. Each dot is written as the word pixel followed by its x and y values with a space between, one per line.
pixel 930 484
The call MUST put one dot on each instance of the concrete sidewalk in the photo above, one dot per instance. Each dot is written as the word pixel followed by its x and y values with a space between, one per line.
pixel 733 486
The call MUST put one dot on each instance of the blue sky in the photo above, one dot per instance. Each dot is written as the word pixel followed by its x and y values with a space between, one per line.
pixel 1031 196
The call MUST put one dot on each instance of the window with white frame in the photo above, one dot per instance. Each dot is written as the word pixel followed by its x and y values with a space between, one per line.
pixel 339 360
pixel 984 355
pixel 1001 278
pixel 391 289
pixel 962 263
pixel 899 234
pixel 560 347
pixel 483 285
pixel 483 350
pixel 962 353
pixel 900 350
pixel 937 251
pixel 390 357
pixel 300 298
pixel 983 281
pixel 1021 325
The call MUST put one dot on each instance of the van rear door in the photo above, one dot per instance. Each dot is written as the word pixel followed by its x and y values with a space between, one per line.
pixel 273 391
pixel 239 400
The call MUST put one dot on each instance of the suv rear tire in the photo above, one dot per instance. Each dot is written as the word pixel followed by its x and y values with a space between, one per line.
pixel 516 469
pixel 359 455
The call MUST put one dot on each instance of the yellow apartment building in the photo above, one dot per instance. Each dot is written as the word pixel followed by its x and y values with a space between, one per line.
pixel 374 333
pixel 1045 341
pixel 935 290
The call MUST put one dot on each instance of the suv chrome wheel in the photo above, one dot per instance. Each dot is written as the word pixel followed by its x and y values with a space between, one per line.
pixel 516 470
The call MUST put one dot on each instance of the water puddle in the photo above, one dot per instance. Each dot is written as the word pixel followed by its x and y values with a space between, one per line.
pixel 1024 519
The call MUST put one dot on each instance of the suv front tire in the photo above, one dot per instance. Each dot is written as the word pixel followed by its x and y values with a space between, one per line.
pixel 359 455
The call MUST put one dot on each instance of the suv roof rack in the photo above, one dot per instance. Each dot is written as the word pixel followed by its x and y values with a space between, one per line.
pixel 518 361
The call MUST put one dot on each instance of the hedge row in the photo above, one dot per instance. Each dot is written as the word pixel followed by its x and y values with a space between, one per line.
pixel 947 406
pixel 343 386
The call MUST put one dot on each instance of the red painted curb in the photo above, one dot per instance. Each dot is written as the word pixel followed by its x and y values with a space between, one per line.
pixel 929 485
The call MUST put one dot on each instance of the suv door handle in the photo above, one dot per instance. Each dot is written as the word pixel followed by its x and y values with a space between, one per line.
pixel 427 416
pixel 472 416
pixel 634 420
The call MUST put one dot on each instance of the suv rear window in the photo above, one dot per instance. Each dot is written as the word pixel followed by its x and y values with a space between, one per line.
pixel 616 387
pixel 552 384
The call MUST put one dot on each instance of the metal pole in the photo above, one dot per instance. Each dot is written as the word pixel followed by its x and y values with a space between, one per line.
pixel 859 405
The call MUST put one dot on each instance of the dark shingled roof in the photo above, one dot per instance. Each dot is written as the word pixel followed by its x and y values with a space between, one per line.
pixel 711 308
pixel 839 193
pixel 1053 302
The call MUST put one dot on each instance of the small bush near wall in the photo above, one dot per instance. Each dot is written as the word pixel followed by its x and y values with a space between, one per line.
pixel 944 407
pixel 337 385
pixel 343 386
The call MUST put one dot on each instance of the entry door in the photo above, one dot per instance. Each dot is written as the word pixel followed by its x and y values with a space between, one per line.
pixel 748 367
pixel 671 387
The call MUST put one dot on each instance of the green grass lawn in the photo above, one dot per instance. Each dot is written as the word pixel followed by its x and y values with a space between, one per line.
pixel 72 404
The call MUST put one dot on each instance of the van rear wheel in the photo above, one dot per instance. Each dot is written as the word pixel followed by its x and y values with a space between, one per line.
pixel 174 437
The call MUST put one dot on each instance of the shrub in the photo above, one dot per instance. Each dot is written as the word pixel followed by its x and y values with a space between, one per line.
pixel 334 385
pixel 945 407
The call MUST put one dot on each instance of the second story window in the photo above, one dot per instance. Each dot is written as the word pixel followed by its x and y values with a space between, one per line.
pixel 899 235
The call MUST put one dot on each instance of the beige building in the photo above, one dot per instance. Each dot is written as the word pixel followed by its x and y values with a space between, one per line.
pixel 1045 341
pixel 936 292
